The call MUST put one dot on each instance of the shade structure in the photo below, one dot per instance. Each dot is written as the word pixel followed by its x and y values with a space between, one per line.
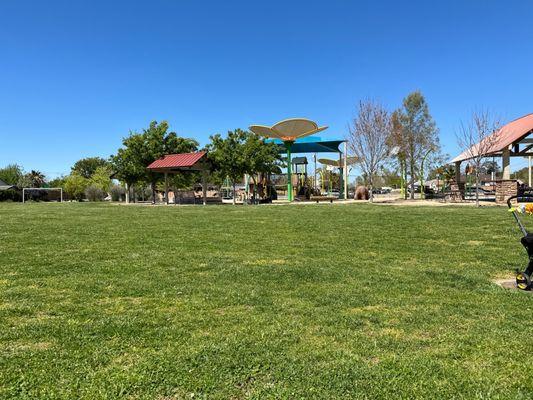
pixel 511 135
pixel 337 163
pixel 288 131
pixel 511 140
pixel 174 163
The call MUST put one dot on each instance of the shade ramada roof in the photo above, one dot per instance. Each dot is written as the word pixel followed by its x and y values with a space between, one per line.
pixel 507 135
pixel 178 161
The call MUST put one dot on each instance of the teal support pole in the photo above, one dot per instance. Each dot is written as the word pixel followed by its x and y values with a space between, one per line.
pixel 289 171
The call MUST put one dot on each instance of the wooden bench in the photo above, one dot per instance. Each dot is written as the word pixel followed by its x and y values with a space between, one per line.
pixel 322 198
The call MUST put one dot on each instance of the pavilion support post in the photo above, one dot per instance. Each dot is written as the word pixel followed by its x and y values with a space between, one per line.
pixel 345 171
pixel 166 188
pixel 204 187
pixel 458 172
pixel 529 171
pixel 506 164
pixel 288 145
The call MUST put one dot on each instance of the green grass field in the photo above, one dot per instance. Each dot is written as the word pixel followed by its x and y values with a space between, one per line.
pixel 319 301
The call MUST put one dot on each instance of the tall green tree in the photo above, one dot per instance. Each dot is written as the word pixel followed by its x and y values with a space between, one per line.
pixel 75 186
pixel 242 152
pixel 227 156
pixel 101 178
pixel 11 174
pixel 33 179
pixel 260 157
pixel 86 167
pixel 141 149
pixel 420 140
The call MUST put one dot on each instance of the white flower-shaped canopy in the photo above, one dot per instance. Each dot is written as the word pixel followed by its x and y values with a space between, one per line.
pixel 335 163
pixel 288 129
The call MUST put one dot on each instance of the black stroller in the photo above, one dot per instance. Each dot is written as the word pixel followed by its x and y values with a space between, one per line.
pixel 523 279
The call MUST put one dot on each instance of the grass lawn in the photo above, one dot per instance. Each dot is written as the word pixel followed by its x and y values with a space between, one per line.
pixel 319 301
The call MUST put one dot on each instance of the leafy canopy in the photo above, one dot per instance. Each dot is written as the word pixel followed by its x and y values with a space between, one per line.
pixel 141 149
pixel 86 167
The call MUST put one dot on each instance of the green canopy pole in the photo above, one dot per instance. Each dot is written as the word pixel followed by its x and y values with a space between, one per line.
pixel 288 145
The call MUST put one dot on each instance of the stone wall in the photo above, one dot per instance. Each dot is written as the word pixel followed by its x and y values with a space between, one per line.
pixel 456 192
pixel 505 188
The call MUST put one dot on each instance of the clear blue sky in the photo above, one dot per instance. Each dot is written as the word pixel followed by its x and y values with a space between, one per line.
pixel 77 76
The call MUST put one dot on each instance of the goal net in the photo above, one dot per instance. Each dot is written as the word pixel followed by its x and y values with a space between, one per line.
pixel 42 194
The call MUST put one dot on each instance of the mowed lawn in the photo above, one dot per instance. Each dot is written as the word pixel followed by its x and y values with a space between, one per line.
pixel 316 301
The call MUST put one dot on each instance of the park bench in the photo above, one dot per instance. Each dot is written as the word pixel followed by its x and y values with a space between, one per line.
pixel 322 198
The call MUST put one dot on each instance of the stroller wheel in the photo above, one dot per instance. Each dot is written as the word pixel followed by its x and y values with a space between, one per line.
pixel 523 281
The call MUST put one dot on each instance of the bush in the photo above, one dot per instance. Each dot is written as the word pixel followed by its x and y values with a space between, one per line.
pixel 94 193
pixel 117 192
pixel 11 195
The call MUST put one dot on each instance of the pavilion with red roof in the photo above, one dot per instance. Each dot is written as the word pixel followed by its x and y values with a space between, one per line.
pixel 511 140
pixel 175 163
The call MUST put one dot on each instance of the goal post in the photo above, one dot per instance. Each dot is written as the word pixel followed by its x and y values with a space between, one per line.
pixel 24 190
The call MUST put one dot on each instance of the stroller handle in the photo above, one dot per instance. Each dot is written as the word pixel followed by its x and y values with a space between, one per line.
pixel 520 198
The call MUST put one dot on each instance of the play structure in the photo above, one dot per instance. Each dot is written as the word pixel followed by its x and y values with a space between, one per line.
pixel 523 278
pixel 341 164
pixel 293 136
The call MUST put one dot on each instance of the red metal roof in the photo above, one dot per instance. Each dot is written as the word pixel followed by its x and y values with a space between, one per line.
pixel 177 160
pixel 511 133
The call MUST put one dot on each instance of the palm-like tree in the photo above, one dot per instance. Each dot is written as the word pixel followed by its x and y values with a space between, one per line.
pixel 36 178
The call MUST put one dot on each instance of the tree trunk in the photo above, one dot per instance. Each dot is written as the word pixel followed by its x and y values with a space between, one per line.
pixel 422 194
pixel 254 193
pixel 402 181
pixel 371 184
pixel 234 193
pixel 412 183
pixel 477 186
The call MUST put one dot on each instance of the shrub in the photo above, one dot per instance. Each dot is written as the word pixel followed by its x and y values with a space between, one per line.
pixel 94 193
pixel 117 192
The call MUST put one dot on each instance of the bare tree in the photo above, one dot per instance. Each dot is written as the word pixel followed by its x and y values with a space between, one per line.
pixel 477 138
pixel 368 138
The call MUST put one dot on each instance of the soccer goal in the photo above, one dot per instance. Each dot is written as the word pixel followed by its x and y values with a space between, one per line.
pixel 42 194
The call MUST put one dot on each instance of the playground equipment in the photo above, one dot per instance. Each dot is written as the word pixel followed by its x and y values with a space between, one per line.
pixel 523 279
pixel 303 190
pixel 288 131
pixel 341 164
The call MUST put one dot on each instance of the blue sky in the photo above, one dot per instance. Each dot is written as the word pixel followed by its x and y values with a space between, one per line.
pixel 77 76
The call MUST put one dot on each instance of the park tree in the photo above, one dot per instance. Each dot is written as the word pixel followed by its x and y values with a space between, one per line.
pixel 397 143
pixel 476 140
pixel 368 138
pixel 227 156
pixel 141 149
pixel 260 157
pixel 75 186
pixel 419 138
pixel 32 179
pixel 11 174
pixel 86 167
pixel 101 178
pixel 242 152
